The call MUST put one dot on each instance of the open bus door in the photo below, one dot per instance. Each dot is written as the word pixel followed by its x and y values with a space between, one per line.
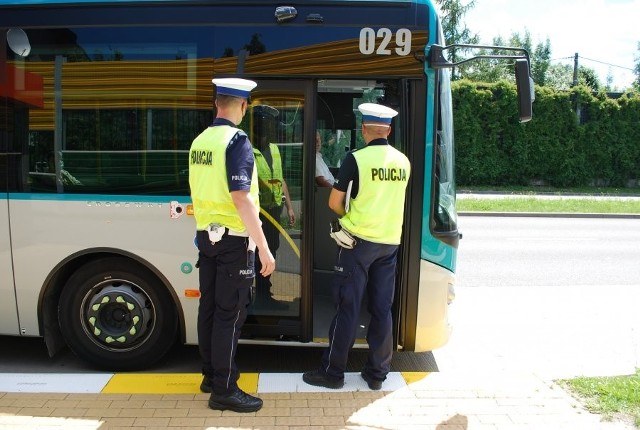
pixel 300 304
pixel 279 122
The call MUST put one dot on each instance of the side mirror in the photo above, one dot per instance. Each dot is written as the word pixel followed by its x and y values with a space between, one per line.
pixel 526 93
pixel 524 82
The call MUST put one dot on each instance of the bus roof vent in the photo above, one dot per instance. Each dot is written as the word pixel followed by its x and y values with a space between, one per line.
pixel 286 13
pixel 314 17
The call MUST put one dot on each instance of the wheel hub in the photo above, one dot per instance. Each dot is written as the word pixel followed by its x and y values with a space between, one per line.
pixel 118 315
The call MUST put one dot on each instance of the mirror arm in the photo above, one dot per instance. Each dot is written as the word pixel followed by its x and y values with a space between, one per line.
pixel 437 60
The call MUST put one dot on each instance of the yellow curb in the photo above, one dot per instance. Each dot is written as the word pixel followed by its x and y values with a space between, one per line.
pixel 168 383
pixel 411 377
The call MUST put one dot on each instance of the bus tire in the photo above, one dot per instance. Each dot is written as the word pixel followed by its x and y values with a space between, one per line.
pixel 117 315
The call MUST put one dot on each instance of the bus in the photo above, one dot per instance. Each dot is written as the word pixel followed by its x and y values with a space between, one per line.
pixel 100 101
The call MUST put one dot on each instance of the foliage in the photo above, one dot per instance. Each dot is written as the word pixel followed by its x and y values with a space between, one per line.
pixel 540 56
pixel 587 76
pixel 536 204
pixel 560 77
pixel 255 46
pixel 576 137
pixel 454 29
pixel 636 70
pixel 540 62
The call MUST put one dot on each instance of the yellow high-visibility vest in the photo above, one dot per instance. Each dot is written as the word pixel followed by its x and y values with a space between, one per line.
pixel 212 203
pixel 270 178
pixel 376 214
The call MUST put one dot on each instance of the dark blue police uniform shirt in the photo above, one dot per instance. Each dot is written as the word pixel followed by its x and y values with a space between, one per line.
pixel 239 159
pixel 349 170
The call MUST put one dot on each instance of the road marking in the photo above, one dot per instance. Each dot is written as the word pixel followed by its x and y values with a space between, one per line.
pixel 182 383
pixel 53 383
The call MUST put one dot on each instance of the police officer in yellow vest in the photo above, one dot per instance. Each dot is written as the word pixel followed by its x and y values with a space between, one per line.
pixel 274 194
pixel 224 190
pixel 369 197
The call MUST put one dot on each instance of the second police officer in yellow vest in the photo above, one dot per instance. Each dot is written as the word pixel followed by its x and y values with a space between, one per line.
pixel 369 197
pixel 274 195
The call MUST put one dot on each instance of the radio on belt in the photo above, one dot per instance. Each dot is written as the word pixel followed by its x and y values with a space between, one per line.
pixel 342 237
pixel 216 231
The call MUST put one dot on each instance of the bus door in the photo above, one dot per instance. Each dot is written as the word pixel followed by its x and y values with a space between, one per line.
pixel 338 131
pixel 279 123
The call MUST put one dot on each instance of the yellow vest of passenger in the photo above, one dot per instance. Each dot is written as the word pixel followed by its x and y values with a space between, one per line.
pixel 212 203
pixel 270 178
pixel 377 212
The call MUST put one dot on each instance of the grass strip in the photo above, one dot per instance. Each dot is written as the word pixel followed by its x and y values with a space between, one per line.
pixel 609 396
pixel 533 204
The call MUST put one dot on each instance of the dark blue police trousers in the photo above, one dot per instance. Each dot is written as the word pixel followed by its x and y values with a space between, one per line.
pixel 226 275
pixel 367 268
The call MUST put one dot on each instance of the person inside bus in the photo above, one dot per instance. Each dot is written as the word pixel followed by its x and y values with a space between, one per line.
pixel 274 195
pixel 324 177
pixel 368 233
pixel 225 202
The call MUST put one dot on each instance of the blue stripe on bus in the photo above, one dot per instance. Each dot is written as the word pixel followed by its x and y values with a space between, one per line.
pixel 98 198
pixel 45 2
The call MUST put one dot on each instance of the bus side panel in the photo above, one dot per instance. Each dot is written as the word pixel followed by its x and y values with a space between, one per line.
pixel 8 313
pixel 54 229
pixel 432 326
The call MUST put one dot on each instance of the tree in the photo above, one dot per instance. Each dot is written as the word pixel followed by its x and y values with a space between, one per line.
pixel 636 70
pixel 454 28
pixel 540 62
pixel 255 46
pixel 588 76
pixel 560 77
pixel 493 70
pixel 609 83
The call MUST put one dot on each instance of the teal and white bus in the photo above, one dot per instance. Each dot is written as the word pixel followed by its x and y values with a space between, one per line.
pixel 99 103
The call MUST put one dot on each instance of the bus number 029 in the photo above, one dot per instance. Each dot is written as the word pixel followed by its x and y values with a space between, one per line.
pixel 368 38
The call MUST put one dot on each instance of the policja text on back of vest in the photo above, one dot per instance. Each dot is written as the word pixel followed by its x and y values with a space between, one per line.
pixel 389 174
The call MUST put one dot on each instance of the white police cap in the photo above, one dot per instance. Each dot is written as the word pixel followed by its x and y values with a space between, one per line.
pixel 234 86
pixel 372 112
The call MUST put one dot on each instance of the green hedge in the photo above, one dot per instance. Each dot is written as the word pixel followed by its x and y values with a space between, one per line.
pixel 575 138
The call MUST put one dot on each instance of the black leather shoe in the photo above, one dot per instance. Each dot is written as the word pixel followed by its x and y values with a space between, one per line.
pixel 315 377
pixel 238 401
pixel 374 384
pixel 206 386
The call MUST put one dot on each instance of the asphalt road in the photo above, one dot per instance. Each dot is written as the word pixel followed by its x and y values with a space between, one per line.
pixel 542 251
pixel 554 296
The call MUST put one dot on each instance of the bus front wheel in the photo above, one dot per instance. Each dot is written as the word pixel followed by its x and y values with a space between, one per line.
pixel 117 315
